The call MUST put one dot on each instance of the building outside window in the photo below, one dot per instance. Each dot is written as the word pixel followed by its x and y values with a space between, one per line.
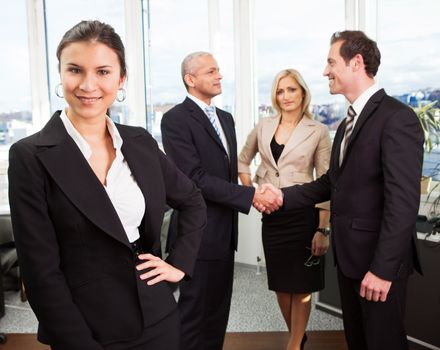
pixel 15 91
pixel 408 31
pixel 61 15
pixel 296 34
pixel 173 29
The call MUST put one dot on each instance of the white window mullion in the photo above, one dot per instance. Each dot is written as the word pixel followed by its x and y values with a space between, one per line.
pixel 38 63
pixel 246 106
pixel 214 38
pixel 214 26
pixel 368 17
pixel 134 54
pixel 362 15
pixel 351 14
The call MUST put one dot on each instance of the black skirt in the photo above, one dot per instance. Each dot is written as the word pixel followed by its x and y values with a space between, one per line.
pixel 287 237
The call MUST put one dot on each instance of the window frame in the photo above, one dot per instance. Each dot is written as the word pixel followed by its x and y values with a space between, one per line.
pixel 359 14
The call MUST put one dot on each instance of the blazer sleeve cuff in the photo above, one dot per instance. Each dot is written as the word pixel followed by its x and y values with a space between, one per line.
pixel 323 205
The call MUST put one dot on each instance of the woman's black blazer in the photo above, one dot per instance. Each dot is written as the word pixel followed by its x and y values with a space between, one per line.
pixel 76 261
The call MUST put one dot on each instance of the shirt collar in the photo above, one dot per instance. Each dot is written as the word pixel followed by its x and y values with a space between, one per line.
pixel 114 133
pixel 82 143
pixel 199 102
pixel 359 104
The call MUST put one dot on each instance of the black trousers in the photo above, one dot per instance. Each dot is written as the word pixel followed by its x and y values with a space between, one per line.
pixel 204 304
pixel 164 335
pixel 370 325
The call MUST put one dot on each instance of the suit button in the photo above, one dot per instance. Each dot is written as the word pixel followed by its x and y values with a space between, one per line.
pixel 277 174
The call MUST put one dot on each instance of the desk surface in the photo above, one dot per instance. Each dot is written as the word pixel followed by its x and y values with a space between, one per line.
pixel 422 307
pixel 426 237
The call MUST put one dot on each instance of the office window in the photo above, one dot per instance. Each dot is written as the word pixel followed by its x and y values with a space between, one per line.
pixel 224 52
pixel 296 34
pixel 62 15
pixel 173 29
pixel 15 90
pixel 408 34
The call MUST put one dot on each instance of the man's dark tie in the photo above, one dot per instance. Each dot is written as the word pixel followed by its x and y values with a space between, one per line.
pixel 348 128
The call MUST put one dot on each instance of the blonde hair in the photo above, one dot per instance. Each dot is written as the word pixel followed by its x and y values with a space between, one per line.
pixel 299 79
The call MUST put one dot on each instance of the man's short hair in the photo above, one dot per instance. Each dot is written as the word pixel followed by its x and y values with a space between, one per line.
pixel 188 64
pixel 356 42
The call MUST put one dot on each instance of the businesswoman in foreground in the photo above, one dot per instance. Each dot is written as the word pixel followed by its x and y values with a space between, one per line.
pixel 87 200
pixel 291 145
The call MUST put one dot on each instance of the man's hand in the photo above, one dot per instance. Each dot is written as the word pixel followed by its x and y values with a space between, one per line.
pixel 268 198
pixel 374 288
pixel 159 269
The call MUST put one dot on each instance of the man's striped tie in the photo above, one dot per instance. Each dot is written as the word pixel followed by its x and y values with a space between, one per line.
pixel 210 112
pixel 348 127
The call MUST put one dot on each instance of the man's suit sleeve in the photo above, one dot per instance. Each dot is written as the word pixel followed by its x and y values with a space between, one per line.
pixel 184 196
pixel 402 158
pixel 39 255
pixel 178 144
pixel 321 159
pixel 308 194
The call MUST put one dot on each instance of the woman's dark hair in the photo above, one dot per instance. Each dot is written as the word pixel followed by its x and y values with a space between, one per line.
pixel 356 42
pixel 95 31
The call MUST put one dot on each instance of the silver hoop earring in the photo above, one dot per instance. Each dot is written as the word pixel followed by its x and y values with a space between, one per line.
pixel 121 95
pixel 59 92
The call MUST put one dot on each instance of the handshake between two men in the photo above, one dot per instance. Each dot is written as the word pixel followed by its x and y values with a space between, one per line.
pixel 267 198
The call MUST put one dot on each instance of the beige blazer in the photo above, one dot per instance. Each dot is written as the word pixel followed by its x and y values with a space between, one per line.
pixel 306 154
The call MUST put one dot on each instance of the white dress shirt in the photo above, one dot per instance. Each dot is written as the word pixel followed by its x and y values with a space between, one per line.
pixel 121 187
pixel 358 106
pixel 202 106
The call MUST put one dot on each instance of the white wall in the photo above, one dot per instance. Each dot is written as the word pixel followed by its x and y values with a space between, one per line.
pixel 249 239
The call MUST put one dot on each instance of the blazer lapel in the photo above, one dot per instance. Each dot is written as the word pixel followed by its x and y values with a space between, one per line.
pixel 368 110
pixel 201 118
pixel 302 132
pixel 229 132
pixel 267 133
pixel 146 171
pixel 69 169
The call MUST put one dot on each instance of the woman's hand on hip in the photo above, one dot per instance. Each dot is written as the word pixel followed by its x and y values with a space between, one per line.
pixel 158 270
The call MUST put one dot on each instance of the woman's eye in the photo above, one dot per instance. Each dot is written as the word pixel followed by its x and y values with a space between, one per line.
pixel 103 72
pixel 74 70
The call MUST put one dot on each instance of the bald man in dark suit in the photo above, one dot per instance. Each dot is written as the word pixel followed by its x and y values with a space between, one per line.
pixel 201 140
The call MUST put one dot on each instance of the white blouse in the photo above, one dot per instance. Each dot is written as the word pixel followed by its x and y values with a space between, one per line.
pixel 121 187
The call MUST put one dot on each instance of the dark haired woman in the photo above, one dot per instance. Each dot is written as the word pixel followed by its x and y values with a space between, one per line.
pixel 87 199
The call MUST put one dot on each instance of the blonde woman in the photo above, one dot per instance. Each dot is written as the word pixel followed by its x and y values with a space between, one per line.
pixel 292 147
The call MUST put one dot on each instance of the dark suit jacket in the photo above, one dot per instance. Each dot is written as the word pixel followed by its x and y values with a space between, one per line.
pixel 76 261
pixel 191 141
pixel 375 193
